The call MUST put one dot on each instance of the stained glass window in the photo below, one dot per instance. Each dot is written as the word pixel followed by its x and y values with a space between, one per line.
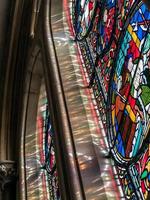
pixel 93 35
pixel 130 102
pixel 106 24
pixel 140 175
pixel 127 184
pixel 105 62
pixel 84 12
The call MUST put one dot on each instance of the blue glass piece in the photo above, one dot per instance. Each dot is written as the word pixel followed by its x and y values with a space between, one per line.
pixel 120 146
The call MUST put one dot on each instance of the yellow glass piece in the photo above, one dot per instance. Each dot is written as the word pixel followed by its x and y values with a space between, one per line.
pixel 131 113
pixel 134 36
pixel 113 116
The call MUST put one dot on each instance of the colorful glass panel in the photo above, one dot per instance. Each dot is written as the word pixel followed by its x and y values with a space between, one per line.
pixel 106 25
pixel 93 35
pixel 126 183
pixel 105 63
pixel 130 87
pixel 84 12
pixel 125 9
pixel 140 174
